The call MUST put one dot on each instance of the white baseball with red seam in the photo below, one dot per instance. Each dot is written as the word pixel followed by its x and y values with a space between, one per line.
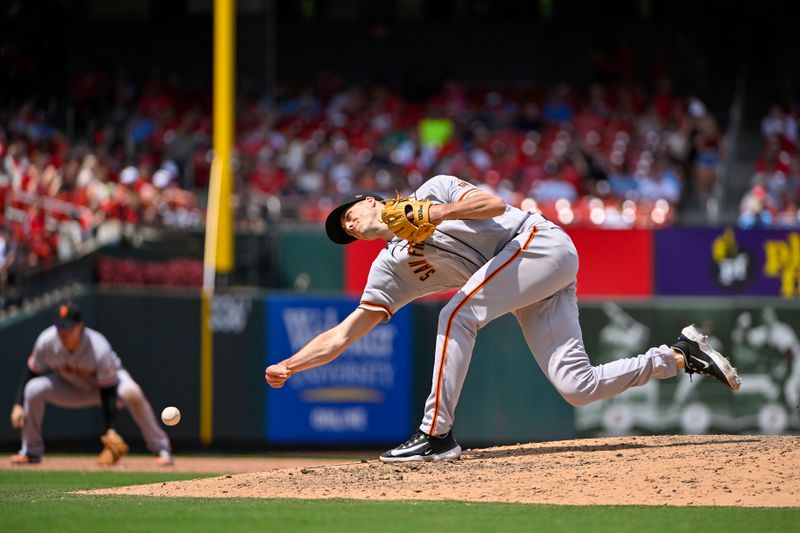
pixel 170 416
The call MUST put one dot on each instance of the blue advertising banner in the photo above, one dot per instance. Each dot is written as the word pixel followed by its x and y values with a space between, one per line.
pixel 725 261
pixel 363 396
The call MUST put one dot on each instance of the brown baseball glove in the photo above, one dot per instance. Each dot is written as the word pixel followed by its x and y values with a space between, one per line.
pixel 114 447
pixel 408 218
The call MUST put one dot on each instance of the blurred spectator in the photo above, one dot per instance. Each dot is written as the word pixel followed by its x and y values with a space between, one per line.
pixel 659 181
pixel 780 125
pixel 8 258
pixel 15 164
pixel 557 109
pixel 709 146
pixel 756 210
pixel 555 186
pixel 772 200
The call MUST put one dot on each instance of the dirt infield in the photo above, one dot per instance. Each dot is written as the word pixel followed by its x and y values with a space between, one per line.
pixel 205 464
pixel 736 470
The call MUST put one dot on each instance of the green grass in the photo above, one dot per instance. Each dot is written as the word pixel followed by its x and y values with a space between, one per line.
pixel 39 501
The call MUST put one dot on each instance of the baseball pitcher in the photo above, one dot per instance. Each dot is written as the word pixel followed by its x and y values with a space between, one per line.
pixel 450 234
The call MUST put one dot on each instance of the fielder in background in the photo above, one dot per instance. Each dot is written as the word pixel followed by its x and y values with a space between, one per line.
pixel 451 234
pixel 73 366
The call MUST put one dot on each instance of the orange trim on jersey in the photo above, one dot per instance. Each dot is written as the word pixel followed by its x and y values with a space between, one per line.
pixel 464 195
pixel 379 308
pixel 453 315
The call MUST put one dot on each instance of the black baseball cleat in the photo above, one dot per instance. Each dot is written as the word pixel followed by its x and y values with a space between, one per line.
pixel 701 358
pixel 423 447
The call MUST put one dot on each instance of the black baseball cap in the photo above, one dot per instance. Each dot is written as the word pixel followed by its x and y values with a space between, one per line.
pixel 67 315
pixel 333 224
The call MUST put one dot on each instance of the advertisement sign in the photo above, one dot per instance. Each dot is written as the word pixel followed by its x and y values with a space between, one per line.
pixel 725 261
pixel 360 397
pixel 761 341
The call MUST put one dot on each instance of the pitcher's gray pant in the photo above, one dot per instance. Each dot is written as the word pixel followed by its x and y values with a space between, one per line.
pixel 52 389
pixel 533 277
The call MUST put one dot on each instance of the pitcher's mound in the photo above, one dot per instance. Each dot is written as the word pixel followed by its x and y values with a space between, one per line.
pixel 737 470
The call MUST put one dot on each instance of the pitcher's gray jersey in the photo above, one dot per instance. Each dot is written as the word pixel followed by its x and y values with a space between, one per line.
pixel 447 259
pixel 93 365
pixel 518 263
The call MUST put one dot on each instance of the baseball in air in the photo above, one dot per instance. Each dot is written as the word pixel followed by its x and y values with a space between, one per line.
pixel 170 416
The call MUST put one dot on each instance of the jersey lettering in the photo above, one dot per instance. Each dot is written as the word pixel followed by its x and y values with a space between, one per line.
pixel 426 266
pixel 427 274
pixel 421 266
pixel 73 370
pixel 416 249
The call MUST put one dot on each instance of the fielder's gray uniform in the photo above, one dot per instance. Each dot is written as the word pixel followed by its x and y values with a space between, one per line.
pixel 520 263
pixel 74 380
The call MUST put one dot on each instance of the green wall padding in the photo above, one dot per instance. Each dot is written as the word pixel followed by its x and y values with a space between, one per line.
pixel 309 261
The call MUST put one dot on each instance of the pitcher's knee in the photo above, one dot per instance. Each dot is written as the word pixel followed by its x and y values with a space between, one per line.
pixel 579 392
pixel 464 319
pixel 446 313
pixel 577 399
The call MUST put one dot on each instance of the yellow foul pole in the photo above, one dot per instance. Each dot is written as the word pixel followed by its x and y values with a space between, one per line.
pixel 219 219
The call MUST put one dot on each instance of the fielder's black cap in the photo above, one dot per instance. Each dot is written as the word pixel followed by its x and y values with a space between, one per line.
pixel 333 224
pixel 67 315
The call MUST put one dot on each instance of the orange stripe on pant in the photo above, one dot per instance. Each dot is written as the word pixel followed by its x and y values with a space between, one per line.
pixel 450 324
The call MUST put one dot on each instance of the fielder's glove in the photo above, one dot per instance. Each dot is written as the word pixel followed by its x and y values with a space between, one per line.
pixel 408 219
pixel 114 447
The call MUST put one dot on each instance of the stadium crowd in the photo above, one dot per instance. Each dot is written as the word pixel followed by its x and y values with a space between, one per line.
pixel 772 199
pixel 612 155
